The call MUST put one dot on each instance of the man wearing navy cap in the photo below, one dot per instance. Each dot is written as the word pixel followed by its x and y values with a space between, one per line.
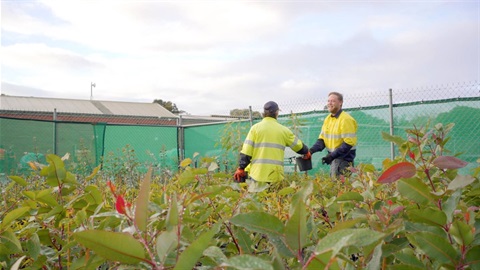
pixel 264 148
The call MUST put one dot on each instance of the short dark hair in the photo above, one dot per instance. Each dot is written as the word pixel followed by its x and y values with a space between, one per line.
pixel 340 96
pixel 267 113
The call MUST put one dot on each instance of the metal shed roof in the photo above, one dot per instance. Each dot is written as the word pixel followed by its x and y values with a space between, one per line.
pixel 78 106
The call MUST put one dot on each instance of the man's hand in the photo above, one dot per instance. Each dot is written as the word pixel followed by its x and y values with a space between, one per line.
pixel 327 159
pixel 239 175
pixel 308 155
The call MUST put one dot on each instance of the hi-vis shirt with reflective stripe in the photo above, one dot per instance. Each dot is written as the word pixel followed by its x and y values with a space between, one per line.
pixel 265 143
pixel 336 130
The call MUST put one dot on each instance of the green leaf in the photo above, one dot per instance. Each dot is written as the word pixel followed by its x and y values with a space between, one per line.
pixel 449 206
pixel 356 237
pixel 350 196
pixel 30 194
pixel 436 248
pixel 95 171
pixel 323 261
pixel 347 224
pixel 13 215
pixel 46 196
pixel 428 216
pixel 260 222
pixel 396 172
pixel 461 232
pixel 167 241
pixel 409 258
pixel 70 178
pixel 296 227
pixel 279 242
pixel 80 217
pixel 286 191
pixel 9 187
pixel 216 254
pixel 186 162
pixel 277 262
pixel 415 190
pixel 9 244
pixel 194 251
pixel 395 139
pixel 461 181
pixel 199 171
pixel 33 246
pixel 375 261
pixel 93 195
pixel 115 246
pixel 186 177
pixel 172 215
pixel 473 257
pixel 18 180
pixel 244 241
pixel 90 262
pixel 243 262
pixel 210 192
pixel 141 206
pixel 55 173
pixel 302 194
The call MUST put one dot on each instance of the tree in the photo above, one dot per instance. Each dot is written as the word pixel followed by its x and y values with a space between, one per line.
pixel 245 113
pixel 172 107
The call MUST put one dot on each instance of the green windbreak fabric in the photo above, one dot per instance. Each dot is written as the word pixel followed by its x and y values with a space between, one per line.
pixel 119 147
pixel 147 145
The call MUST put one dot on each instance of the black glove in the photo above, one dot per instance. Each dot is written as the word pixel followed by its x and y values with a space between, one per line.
pixel 327 159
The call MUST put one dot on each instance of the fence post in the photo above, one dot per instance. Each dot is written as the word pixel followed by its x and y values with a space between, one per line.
pixel 250 115
pixel 390 103
pixel 180 140
pixel 55 131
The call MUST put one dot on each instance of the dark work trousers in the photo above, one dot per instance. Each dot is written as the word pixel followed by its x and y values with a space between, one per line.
pixel 339 167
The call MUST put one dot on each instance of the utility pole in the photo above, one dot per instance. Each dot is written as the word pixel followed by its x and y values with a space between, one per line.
pixel 92 84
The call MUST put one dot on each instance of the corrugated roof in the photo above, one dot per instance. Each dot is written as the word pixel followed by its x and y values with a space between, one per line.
pixel 78 106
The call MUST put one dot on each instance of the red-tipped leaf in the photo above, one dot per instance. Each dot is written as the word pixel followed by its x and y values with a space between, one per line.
pixel 120 205
pixel 396 172
pixel 447 162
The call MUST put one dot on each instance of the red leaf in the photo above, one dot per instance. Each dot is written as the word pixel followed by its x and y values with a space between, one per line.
pixel 397 171
pixel 397 210
pixel 446 162
pixel 120 205
pixel 112 187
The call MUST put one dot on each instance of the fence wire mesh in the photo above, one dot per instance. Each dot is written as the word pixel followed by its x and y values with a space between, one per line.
pixel 128 144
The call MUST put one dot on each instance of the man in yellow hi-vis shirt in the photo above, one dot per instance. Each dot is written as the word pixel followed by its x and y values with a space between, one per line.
pixel 338 136
pixel 264 148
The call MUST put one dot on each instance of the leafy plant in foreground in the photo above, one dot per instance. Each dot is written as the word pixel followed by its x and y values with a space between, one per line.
pixel 418 213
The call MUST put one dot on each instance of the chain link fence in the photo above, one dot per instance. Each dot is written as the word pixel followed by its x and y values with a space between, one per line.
pixel 390 111
pixel 127 144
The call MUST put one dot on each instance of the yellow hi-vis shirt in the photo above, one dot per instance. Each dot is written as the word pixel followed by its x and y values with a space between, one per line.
pixel 265 143
pixel 338 129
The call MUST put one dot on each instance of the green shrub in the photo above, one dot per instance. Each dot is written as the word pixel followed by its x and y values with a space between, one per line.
pixel 418 213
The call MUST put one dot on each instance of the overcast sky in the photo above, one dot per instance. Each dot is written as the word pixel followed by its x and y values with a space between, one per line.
pixel 209 57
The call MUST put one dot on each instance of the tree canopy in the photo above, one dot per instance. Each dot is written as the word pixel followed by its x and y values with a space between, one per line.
pixel 172 107
pixel 244 113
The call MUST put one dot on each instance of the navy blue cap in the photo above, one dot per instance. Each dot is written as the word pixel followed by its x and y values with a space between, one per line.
pixel 271 106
